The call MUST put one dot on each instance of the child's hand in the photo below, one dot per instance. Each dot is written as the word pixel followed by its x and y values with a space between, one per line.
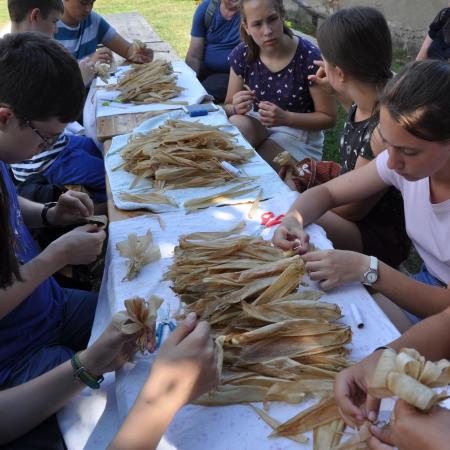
pixel 290 235
pixel 186 365
pixel 139 55
pixel 87 69
pixel 271 115
pixel 103 55
pixel 82 245
pixel 243 101
pixel 321 79
pixel 72 207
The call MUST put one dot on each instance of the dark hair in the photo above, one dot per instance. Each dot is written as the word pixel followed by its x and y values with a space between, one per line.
pixel 9 266
pixel 19 9
pixel 418 99
pixel 358 40
pixel 253 49
pixel 39 79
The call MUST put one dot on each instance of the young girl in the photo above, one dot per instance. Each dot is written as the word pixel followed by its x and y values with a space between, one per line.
pixel 415 129
pixel 357 52
pixel 269 97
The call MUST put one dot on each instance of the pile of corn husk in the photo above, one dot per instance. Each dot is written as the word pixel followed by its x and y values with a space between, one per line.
pixel 153 82
pixel 140 251
pixel 410 377
pixel 181 154
pixel 278 343
pixel 139 317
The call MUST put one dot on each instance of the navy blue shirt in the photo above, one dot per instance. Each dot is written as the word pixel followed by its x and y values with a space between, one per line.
pixel 32 324
pixel 287 88
pixel 439 32
pixel 220 38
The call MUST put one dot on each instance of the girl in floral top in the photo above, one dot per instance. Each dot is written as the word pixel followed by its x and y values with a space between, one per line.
pixel 269 96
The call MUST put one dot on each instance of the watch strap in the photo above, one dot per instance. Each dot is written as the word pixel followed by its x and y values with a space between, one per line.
pixel 82 374
pixel 44 212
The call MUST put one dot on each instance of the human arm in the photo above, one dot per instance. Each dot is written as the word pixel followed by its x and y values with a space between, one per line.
pixel 413 429
pixel 423 52
pixel 87 69
pixel 34 401
pixel 127 50
pixel 185 368
pixel 194 55
pixel 80 246
pixel 323 117
pixel 72 207
pixel 313 203
pixel 350 387
pixel 238 100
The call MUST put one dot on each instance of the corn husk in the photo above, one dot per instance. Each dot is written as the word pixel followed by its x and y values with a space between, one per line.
pixel 100 220
pixel 140 251
pixel 139 317
pixel 153 82
pixel 149 197
pixel 181 154
pixel 410 377
pixel 328 435
pixel 357 441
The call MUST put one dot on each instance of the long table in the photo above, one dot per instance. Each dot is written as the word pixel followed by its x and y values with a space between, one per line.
pixel 91 420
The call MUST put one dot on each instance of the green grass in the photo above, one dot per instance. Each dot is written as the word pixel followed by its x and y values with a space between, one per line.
pixel 4 15
pixel 171 19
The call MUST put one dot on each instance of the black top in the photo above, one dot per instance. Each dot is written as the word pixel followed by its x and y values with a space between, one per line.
pixel 439 32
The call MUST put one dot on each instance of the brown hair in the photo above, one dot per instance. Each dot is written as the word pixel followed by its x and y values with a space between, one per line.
pixel 418 99
pixel 253 49
pixel 358 40
pixel 19 9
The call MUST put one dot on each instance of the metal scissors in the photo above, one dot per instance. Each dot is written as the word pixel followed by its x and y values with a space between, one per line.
pixel 268 220
pixel 164 321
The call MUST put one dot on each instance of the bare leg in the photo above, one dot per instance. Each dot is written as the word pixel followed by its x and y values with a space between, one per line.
pixel 343 233
pixel 251 129
pixel 394 312
pixel 268 150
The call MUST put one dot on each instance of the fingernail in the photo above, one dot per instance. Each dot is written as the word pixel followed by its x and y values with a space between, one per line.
pixel 191 317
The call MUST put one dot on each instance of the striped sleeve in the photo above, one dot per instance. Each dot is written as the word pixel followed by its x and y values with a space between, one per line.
pixel 40 162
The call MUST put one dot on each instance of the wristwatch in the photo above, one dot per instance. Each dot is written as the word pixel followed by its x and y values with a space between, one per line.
pixel 371 275
pixel 44 212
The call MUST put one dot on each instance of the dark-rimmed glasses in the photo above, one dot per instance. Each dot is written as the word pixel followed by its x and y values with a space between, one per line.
pixel 48 143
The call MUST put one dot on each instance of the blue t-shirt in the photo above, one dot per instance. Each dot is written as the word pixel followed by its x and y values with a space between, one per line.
pixel 83 39
pixel 220 38
pixel 287 88
pixel 33 323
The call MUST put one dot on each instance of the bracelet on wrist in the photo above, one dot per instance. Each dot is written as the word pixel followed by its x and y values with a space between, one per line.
pixel 82 374
pixel 44 213
pixel 383 347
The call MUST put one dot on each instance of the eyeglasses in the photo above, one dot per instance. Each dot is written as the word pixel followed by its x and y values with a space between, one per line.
pixel 48 143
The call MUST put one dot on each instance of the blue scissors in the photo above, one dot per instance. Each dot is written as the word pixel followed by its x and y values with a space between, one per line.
pixel 164 321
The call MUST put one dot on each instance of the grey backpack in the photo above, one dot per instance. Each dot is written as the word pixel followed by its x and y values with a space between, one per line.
pixel 209 13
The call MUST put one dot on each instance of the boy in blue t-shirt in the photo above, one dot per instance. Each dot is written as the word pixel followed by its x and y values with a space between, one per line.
pixel 80 30
pixel 210 45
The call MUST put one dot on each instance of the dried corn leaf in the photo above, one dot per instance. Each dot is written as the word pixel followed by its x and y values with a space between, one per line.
pixel 255 206
pixel 216 199
pixel 213 235
pixel 328 435
pixel 356 442
pixel 149 198
pixel 139 317
pixel 321 413
pixel 140 251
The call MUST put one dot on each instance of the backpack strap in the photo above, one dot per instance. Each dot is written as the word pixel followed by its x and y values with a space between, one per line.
pixel 209 13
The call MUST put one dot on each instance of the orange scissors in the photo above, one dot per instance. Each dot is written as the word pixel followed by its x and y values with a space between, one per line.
pixel 268 220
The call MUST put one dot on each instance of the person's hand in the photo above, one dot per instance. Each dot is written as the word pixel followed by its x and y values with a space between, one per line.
pixel 411 429
pixel 82 245
pixel 243 101
pixel 186 363
pixel 320 79
pixel 139 55
pixel 334 267
pixel 290 235
pixel 271 115
pixel 109 352
pixel 72 207
pixel 87 69
pixel 103 54
pixel 350 392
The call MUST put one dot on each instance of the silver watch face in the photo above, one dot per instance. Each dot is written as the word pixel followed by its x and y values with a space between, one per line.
pixel 371 276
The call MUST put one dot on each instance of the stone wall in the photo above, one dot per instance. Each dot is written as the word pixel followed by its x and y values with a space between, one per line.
pixel 408 19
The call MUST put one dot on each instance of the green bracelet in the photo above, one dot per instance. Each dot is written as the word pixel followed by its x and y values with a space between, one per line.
pixel 81 374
